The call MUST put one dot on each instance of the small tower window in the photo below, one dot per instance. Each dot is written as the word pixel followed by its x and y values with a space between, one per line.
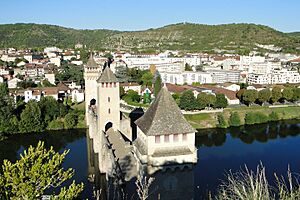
pixel 102 84
pixel 184 137
pixel 110 84
pixel 106 84
pixel 166 138
pixel 157 139
pixel 109 111
pixel 108 99
pixel 175 138
pixel 115 84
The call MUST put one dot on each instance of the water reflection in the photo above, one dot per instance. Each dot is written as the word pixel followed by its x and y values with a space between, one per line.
pixel 248 134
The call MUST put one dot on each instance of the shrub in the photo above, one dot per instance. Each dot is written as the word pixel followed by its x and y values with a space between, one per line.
pixel 234 119
pixel 273 116
pixel 221 121
pixel 56 124
pixel 70 121
pixel 256 118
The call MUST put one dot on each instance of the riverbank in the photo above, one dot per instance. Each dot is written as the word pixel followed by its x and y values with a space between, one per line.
pixel 210 120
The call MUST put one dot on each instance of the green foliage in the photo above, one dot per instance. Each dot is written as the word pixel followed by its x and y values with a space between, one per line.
pixel 176 97
pixel 288 93
pixel 132 96
pixel 188 67
pixel 70 72
pixel 273 116
pixel 147 79
pixel 276 94
pixel 56 124
pixel 122 91
pixel 221 121
pixel 84 55
pixel 240 94
pixel 49 109
pixel 31 118
pixel 256 118
pixel 249 96
pixel 37 170
pixel 264 96
pixel 188 101
pixel 157 85
pixel 239 37
pixel 7 123
pixel 71 120
pixel 205 100
pixel 26 84
pixel 221 101
pixel 234 119
pixel 296 94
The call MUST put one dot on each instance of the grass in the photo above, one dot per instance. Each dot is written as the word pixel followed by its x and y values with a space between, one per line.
pixel 79 106
pixel 209 120
pixel 202 120
pixel 249 185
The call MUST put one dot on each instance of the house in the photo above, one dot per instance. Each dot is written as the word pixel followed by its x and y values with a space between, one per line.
pixel 50 77
pixel 230 86
pixel 77 95
pixel 1 79
pixel 146 91
pixel 163 135
pixel 229 95
pixel 13 82
pixel 4 70
pixel 131 86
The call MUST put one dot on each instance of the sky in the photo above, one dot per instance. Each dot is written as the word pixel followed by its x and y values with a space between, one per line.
pixel 130 15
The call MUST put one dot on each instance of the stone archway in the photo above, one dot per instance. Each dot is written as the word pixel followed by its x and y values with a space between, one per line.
pixel 108 126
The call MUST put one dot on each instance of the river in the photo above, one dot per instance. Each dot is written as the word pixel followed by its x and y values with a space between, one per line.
pixel 276 145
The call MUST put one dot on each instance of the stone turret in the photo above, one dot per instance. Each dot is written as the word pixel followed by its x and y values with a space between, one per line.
pixel 91 73
pixel 108 106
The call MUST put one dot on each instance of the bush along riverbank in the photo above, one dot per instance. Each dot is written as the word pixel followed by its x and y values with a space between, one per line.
pixel 233 117
pixel 46 114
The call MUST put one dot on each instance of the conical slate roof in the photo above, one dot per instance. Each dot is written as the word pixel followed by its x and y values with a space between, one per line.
pixel 164 117
pixel 107 76
pixel 91 62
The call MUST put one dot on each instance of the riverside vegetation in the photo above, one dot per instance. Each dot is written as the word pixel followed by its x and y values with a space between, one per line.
pixel 47 114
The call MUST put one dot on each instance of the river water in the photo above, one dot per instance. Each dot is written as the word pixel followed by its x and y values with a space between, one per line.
pixel 276 145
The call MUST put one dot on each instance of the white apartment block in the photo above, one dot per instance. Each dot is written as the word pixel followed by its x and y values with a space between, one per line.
pixel 144 61
pixel 225 76
pixel 277 76
pixel 186 77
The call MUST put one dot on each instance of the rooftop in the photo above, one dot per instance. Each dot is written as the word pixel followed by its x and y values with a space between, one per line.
pixel 107 76
pixel 164 117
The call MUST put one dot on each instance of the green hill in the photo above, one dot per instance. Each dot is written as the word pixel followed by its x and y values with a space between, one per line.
pixel 184 36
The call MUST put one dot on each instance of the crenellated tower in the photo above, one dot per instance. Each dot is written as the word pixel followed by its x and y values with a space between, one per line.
pixel 91 73
pixel 108 98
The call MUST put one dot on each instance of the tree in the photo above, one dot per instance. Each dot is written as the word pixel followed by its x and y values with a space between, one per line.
pixel 206 100
pixel 132 96
pixel 296 94
pixel 276 94
pixel 188 67
pixel 264 96
pixel 31 118
pixel 84 55
pixel 146 98
pixel 221 121
pixel 188 101
pixel 240 93
pixel 157 85
pixel 221 101
pixel 287 94
pixel 71 120
pixel 249 96
pixel 37 170
pixel 49 109
pixel 147 79
pixel 234 119
pixel 122 91
pixel 6 110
